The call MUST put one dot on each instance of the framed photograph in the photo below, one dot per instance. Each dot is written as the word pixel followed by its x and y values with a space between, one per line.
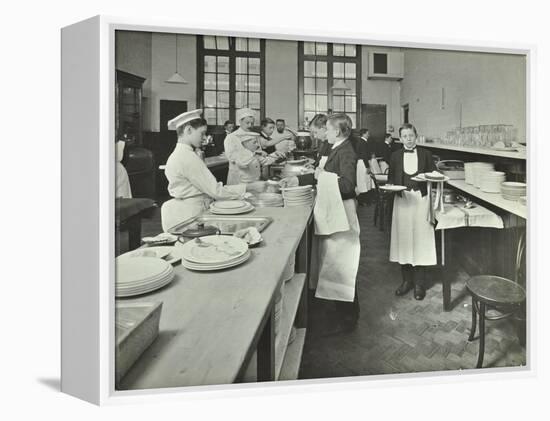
pixel 280 210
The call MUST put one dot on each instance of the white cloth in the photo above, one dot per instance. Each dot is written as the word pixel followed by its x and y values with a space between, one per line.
pixel 457 216
pixel 363 180
pixel 322 162
pixel 375 166
pixel 412 236
pixel 123 188
pixel 410 162
pixel 244 166
pixel 329 214
pixel 192 186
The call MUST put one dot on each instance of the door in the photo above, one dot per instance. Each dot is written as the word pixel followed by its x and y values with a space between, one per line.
pixel 373 117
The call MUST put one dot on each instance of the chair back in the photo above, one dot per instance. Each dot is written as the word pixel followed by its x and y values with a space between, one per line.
pixel 519 257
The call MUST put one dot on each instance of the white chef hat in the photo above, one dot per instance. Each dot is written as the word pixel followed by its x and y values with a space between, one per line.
pixel 184 118
pixel 245 112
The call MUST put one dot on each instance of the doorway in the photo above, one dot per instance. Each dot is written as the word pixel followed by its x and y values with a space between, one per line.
pixel 373 117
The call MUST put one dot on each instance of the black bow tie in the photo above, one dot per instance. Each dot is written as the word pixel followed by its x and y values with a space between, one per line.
pixel 409 150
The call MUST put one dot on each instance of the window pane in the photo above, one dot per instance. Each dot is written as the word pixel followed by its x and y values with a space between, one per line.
pixel 321 48
pixel 241 44
pixel 350 71
pixel 321 104
pixel 210 115
pixel 254 83
pixel 338 50
pixel 309 48
pixel 254 45
pixel 209 98
pixel 254 66
pixel 223 82
pixel 321 86
pixel 338 70
pixel 210 81
pixel 309 85
pixel 223 100
pixel 222 43
pixel 223 116
pixel 338 103
pixel 309 68
pixel 240 99
pixel 241 83
pixel 308 115
pixel 350 103
pixel 241 65
pixel 254 100
pixel 350 50
pixel 209 42
pixel 309 101
pixel 223 64
pixel 210 64
pixel 321 69
pixel 352 83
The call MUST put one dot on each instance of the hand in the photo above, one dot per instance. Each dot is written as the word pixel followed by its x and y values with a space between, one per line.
pixel 260 152
pixel 289 182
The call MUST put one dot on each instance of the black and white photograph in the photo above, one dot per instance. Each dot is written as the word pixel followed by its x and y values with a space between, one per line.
pixel 303 209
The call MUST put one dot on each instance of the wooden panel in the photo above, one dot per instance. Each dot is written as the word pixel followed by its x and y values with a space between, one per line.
pixel 374 118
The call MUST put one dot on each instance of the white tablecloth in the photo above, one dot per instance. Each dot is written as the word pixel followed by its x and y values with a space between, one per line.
pixel 455 216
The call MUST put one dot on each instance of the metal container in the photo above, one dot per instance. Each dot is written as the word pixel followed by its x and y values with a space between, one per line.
pixel 225 224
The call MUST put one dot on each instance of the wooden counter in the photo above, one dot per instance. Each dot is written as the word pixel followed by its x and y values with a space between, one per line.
pixel 213 322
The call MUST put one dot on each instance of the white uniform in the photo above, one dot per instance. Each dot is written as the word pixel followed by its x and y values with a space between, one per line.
pixel 244 165
pixel 286 145
pixel 192 186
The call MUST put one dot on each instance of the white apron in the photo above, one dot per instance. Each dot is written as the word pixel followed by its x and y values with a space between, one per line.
pixel 412 236
pixel 338 252
pixel 175 211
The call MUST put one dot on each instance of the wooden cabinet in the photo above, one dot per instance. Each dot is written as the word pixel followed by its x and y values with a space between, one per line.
pixel 128 107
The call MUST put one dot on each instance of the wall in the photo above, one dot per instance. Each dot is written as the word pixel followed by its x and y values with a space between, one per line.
pixel 281 80
pixel 381 91
pixel 480 88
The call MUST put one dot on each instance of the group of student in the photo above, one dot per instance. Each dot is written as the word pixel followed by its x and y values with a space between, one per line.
pixel 193 187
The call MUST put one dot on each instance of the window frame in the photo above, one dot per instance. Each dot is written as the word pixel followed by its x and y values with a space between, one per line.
pixel 330 59
pixel 232 53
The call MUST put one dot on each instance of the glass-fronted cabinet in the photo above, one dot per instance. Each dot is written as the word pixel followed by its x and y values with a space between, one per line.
pixel 128 112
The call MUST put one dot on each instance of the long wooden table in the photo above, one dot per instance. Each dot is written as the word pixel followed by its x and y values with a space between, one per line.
pixel 213 322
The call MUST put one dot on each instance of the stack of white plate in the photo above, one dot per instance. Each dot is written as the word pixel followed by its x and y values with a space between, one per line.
pixel 267 200
pixel 491 181
pixel 471 170
pixel 512 190
pixel 479 171
pixel 230 207
pixel 297 196
pixel 214 252
pixel 139 275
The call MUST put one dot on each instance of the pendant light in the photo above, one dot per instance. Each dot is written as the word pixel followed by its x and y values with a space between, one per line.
pixel 340 85
pixel 176 77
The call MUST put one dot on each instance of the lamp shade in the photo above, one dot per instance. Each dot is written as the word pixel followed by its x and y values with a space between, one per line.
pixel 176 78
pixel 340 85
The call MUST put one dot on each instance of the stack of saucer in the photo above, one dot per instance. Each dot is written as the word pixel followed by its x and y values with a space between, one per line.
pixel 266 200
pixel 230 207
pixel 491 181
pixel 139 275
pixel 472 169
pixel 512 190
pixel 479 171
pixel 214 252
pixel 298 196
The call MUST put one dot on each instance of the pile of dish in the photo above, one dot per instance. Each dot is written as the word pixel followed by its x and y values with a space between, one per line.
pixel 512 190
pixel 298 196
pixel 230 207
pixel 140 275
pixel 267 200
pixel 214 252
pixel 434 176
pixel 474 170
pixel 490 181
pixel 170 254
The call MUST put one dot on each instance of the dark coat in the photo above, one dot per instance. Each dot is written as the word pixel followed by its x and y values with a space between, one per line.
pixel 343 162
pixel 396 174
pixel 385 151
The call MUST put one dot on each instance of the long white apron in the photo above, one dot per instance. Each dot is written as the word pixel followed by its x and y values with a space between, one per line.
pixel 412 236
pixel 175 211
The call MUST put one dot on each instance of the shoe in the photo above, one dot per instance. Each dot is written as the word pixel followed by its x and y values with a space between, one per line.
pixel 405 287
pixel 419 292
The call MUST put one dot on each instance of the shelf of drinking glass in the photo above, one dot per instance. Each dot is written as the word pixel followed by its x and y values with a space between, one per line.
pixel 520 154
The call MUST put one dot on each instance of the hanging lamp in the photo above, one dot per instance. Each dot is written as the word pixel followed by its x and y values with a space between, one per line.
pixel 340 85
pixel 176 77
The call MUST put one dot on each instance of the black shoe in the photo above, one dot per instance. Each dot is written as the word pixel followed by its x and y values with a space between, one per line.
pixel 419 292
pixel 405 287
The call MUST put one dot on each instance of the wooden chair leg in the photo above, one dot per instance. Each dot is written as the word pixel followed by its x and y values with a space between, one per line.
pixel 474 322
pixel 481 335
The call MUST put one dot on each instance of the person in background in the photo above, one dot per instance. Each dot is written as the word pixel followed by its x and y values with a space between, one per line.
pixel 338 252
pixel 387 148
pixel 229 127
pixel 219 137
pixel 267 127
pixel 412 235
pixel 284 137
pixel 190 182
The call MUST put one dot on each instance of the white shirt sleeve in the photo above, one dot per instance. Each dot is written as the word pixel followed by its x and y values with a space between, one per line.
pixel 236 152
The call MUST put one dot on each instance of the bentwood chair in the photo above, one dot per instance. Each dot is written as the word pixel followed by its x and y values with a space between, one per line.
pixel 382 207
pixel 496 298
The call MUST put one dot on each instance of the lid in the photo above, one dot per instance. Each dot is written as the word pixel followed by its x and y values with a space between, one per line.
pixel 200 230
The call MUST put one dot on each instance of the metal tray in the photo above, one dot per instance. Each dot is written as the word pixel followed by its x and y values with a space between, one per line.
pixel 226 224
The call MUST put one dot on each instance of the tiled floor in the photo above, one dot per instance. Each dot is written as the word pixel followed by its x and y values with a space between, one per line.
pixel 400 334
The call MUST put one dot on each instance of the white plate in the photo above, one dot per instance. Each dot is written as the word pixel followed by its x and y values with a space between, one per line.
pixel 139 269
pixel 231 211
pixel 214 249
pixel 510 149
pixel 296 161
pixel 393 188
pixel 163 238
pixel 513 185
pixel 194 266
pixel 229 204
pixel 296 188
pixel 158 251
pixel 420 177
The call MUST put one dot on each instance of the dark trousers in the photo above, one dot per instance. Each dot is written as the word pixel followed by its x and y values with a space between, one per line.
pixel 415 275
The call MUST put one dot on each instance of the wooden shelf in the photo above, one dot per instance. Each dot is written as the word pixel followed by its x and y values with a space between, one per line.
pixel 291 299
pixel 493 198
pixel 481 151
pixel 293 357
